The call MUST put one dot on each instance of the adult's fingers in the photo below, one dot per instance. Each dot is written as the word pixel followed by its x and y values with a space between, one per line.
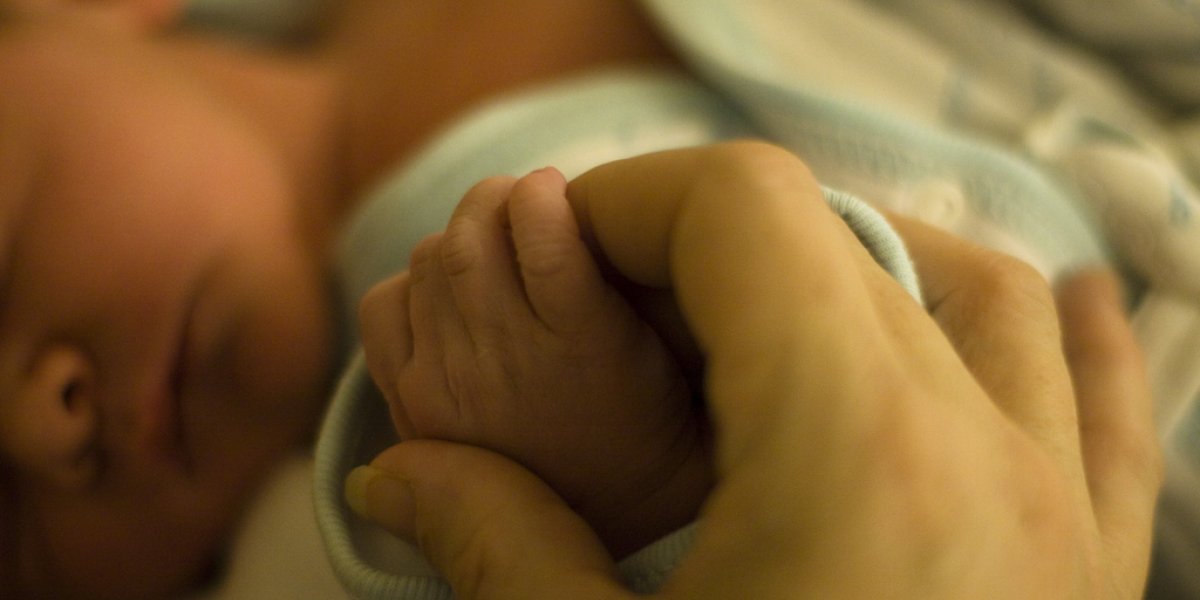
pixel 999 314
pixel 1120 449
pixel 708 221
pixel 490 527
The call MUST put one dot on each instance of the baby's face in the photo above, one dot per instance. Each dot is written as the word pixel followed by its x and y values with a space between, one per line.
pixel 164 333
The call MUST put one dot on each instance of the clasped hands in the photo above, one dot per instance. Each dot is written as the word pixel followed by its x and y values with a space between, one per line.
pixel 997 442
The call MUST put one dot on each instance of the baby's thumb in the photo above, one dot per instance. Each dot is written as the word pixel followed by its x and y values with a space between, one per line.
pixel 492 528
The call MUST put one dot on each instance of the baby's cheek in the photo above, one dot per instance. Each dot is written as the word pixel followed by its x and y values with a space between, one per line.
pixel 125 546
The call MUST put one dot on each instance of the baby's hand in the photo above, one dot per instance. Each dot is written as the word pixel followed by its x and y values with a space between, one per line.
pixel 503 334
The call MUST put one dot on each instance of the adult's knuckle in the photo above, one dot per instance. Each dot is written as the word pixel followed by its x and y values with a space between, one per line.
pixel 1039 494
pixel 916 481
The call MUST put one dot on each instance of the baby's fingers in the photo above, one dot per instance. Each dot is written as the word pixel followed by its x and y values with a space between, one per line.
pixel 562 282
pixel 1120 449
pixel 386 331
pixel 476 257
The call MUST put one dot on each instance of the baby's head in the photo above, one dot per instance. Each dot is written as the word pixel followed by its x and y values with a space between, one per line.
pixel 164 331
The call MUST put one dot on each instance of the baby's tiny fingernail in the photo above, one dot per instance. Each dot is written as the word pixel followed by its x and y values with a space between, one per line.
pixel 551 171
pixel 380 497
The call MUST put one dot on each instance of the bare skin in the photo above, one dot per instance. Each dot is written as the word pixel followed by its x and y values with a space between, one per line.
pixel 167 204
pixel 999 445
pixel 504 334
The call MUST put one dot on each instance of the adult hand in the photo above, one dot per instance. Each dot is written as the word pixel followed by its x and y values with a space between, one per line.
pixel 994 446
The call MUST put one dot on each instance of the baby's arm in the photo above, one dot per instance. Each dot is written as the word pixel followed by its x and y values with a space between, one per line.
pixel 503 334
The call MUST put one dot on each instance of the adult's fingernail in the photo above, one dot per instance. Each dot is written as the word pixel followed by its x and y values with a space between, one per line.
pixel 380 497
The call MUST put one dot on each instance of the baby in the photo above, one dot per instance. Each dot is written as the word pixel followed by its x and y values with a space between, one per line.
pixel 169 205
pixel 166 334
pixel 168 201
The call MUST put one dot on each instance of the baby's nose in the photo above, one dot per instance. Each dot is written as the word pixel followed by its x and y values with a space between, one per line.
pixel 49 429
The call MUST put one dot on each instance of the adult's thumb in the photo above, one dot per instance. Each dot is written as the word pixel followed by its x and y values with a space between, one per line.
pixel 492 528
